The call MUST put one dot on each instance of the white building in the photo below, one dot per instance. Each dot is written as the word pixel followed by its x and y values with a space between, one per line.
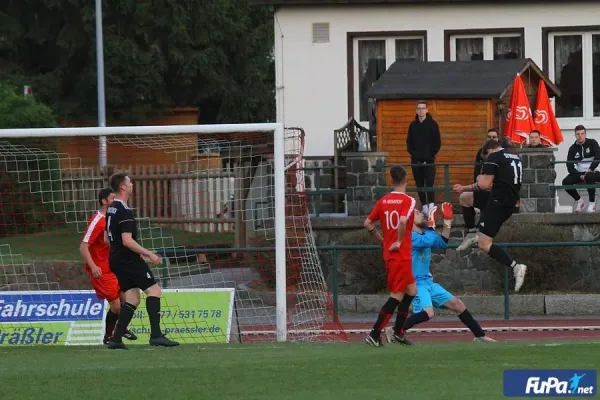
pixel 323 48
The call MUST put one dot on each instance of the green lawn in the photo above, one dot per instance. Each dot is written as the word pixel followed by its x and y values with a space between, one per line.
pixel 279 371
pixel 63 243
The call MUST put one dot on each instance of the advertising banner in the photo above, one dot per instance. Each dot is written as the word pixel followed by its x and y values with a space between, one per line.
pixel 70 318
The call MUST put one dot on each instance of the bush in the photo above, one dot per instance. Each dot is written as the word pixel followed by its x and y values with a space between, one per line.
pixel 364 269
pixel 548 268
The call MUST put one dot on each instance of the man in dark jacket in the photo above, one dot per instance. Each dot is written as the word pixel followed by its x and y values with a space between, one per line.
pixel 423 144
pixel 585 154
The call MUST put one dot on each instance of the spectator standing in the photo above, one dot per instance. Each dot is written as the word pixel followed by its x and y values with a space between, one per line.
pixel 585 157
pixel 423 144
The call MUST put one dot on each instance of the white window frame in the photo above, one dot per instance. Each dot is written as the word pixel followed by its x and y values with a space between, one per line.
pixel 390 58
pixel 588 78
pixel 488 42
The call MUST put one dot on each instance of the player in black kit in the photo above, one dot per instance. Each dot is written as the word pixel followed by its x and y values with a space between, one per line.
pixel 503 174
pixel 126 263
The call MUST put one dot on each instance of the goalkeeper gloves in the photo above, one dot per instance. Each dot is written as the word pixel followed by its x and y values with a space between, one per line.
pixel 431 216
pixel 447 214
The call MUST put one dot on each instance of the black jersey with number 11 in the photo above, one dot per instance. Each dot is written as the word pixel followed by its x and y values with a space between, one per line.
pixel 507 170
pixel 119 219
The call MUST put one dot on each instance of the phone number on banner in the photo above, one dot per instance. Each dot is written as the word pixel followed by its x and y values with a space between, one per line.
pixel 184 314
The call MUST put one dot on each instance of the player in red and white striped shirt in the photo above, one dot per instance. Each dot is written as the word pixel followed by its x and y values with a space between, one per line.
pixel 95 250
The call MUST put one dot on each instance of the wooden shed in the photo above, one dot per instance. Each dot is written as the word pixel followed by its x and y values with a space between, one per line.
pixel 465 98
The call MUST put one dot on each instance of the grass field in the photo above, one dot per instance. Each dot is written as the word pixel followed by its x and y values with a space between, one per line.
pixel 63 243
pixel 280 371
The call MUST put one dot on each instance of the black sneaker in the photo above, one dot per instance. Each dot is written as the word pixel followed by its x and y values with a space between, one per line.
pixel 116 345
pixel 106 339
pixel 129 335
pixel 394 337
pixel 371 341
pixel 163 341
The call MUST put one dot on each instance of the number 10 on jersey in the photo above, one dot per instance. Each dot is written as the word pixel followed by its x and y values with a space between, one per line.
pixel 392 220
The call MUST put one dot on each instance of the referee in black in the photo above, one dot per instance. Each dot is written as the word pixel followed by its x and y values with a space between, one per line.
pixel 127 264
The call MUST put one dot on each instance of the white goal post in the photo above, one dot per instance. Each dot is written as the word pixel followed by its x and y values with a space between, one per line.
pixel 279 188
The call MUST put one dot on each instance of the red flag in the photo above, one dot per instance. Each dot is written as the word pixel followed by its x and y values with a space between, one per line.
pixel 545 121
pixel 519 121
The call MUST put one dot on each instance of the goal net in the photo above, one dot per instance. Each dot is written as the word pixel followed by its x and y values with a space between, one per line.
pixel 224 205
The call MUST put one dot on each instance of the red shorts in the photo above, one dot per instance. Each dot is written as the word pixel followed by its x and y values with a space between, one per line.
pixel 399 275
pixel 106 287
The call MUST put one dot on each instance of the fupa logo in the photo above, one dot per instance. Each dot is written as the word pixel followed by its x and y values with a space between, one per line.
pixel 550 383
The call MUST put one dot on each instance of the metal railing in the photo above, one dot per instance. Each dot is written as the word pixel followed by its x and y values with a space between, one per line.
pixel 335 249
pixel 446 188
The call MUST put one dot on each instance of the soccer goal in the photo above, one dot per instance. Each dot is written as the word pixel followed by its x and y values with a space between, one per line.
pixel 224 205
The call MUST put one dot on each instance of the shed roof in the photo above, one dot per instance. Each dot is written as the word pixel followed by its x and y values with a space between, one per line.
pixel 453 79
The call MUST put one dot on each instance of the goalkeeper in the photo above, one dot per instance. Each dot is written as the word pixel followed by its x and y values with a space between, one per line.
pixel 429 293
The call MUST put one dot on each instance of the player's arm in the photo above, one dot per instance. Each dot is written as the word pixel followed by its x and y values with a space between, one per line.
pixel 106 239
pixel 406 212
pixel 484 181
pixel 370 224
pixel 92 233
pixel 127 226
pixel 84 250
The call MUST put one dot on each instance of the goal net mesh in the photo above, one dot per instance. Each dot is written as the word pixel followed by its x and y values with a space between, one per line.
pixel 205 202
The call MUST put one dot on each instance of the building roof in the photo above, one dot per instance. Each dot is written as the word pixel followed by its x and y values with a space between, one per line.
pixel 383 2
pixel 453 79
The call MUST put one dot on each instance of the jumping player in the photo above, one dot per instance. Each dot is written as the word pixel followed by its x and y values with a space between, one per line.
pixel 505 171
pixel 94 251
pixel 429 293
pixel 395 213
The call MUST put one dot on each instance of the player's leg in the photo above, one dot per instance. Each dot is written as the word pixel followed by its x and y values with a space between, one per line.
pixel 495 216
pixel 148 284
pixel 571 180
pixel 466 201
pixel 404 282
pixel 110 321
pixel 128 334
pixel 441 298
pixel 132 301
pixel 422 307
pixel 386 312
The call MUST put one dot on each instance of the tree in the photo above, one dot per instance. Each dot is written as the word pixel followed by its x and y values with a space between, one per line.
pixel 18 111
pixel 157 54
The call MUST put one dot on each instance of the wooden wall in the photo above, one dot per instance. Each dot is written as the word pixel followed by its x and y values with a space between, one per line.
pixel 463 126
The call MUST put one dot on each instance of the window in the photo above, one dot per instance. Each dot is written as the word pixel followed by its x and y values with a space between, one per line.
pixel 372 57
pixel 574 65
pixel 498 46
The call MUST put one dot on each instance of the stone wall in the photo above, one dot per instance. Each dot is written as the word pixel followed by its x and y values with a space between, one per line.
pixel 473 271
pixel 538 176
pixel 364 173
pixel 319 175
pixel 366 176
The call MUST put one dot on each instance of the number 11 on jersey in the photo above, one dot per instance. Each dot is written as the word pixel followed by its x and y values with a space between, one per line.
pixel 517 171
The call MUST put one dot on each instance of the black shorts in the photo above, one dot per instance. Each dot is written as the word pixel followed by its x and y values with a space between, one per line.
pixel 132 274
pixel 495 215
pixel 480 199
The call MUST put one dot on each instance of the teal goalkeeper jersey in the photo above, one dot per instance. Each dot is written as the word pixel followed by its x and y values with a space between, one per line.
pixel 422 243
